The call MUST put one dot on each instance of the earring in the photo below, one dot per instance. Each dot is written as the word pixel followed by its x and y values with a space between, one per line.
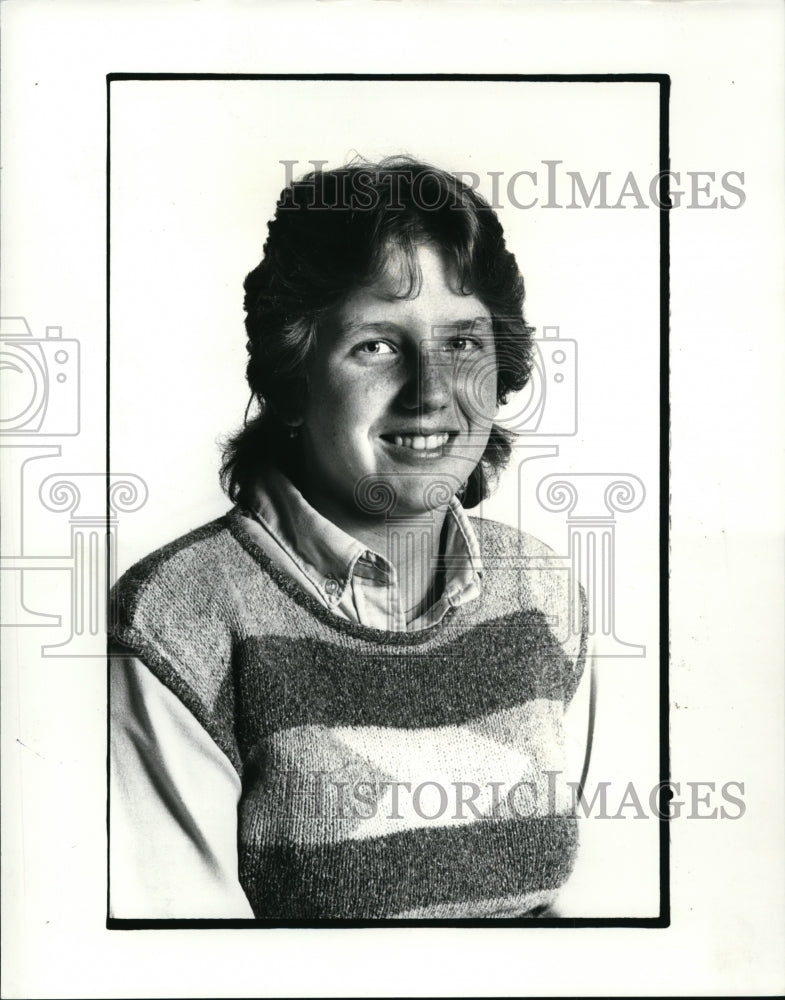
pixel 293 432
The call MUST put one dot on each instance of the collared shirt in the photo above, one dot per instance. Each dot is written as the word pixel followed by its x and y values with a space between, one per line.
pixel 353 581
pixel 173 793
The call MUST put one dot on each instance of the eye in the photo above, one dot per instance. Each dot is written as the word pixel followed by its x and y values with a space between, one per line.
pixel 374 348
pixel 463 344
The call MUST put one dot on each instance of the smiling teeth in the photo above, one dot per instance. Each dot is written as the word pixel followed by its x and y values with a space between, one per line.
pixel 418 442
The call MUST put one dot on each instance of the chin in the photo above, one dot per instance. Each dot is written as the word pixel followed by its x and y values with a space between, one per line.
pixel 406 492
pixel 430 493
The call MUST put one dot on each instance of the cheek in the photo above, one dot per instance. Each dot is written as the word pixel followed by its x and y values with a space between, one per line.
pixel 476 390
pixel 341 413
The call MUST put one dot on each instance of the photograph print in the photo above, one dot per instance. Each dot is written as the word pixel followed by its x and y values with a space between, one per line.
pixel 386 642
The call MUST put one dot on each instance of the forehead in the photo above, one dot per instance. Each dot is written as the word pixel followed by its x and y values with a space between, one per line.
pixel 424 286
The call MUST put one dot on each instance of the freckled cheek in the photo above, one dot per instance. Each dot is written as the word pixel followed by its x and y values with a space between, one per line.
pixel 476 392
pixel 350 416
pixel 364 401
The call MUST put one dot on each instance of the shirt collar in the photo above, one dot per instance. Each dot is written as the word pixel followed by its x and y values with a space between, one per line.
pixel 325 551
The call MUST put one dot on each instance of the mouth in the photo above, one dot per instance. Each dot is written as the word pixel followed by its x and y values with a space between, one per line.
pixel 425 445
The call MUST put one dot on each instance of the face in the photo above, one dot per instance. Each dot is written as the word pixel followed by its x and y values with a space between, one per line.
pixel 401 397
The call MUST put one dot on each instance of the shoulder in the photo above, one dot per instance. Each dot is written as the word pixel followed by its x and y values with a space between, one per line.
pixel 176 607
pixel 498 540
pixel 175 610
pixel 186 572
pixel 523 573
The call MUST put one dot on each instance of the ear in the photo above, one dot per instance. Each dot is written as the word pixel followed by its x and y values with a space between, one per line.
pixel 288 415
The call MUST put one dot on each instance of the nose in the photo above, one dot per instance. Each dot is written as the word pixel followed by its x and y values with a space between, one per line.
pixel 430 384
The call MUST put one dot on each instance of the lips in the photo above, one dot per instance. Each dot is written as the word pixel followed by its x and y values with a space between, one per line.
pixel 432 443
pixel 420 442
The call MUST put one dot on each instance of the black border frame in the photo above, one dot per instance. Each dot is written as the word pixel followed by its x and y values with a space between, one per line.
pixel 663 82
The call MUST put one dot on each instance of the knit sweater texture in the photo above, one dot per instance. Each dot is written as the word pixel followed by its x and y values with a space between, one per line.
pixel 384 774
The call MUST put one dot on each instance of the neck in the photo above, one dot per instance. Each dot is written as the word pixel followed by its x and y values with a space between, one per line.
pixel 413 546
pixel 411 542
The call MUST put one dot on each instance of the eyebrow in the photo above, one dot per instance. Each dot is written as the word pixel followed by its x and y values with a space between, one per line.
pixel 360 326
pixel 384 326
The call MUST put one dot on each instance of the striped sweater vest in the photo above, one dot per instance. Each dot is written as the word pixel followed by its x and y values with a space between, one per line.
pixel 383 774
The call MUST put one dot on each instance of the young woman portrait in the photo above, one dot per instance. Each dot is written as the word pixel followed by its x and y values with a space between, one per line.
pixel 351 698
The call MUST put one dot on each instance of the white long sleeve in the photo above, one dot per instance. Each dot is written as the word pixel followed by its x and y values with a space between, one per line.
pixel 173 807
pixel 576 724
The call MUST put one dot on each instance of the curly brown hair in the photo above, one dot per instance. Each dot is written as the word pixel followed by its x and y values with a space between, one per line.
pixel 332 232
